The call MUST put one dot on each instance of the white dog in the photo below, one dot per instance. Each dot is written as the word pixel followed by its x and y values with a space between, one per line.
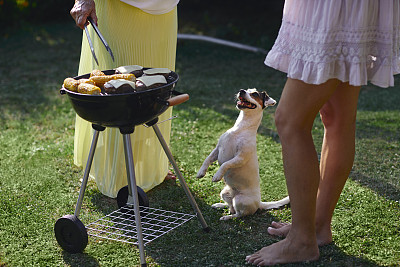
pixel 236 152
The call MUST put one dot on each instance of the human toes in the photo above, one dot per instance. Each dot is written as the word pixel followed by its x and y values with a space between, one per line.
pixel 170 176
pixel 285 251
pixel 279 229
pixel 274 231
pixel 279 224
pixel 253 259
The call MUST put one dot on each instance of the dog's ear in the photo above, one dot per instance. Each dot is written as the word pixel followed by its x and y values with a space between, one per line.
pixel 264 96
pixel 267 101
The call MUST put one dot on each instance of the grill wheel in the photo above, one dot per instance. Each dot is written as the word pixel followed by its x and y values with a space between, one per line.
pixel 71 234
pixel 123 193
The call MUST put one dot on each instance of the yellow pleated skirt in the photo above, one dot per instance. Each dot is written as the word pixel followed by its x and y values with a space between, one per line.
pixel 136 38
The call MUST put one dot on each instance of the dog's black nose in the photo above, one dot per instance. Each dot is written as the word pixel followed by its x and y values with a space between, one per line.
pixel 242 92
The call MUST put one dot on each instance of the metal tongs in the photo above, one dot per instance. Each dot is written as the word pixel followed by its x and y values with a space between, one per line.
pixel 101 38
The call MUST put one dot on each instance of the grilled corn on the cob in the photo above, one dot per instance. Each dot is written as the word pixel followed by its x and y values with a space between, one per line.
pixel 97 73
pixel 89 89
pixel 71 84
pixel 129 77
pixel 101 80
pixel 86 81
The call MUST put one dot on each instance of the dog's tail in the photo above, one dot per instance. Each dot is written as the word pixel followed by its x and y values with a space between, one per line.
pixel 275 204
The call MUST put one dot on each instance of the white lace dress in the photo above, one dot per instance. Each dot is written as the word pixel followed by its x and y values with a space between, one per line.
pixel 355 41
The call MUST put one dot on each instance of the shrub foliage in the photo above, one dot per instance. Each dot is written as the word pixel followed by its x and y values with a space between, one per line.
pixel 14 13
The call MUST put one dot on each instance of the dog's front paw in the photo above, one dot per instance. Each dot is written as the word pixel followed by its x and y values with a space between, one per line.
pixel 218 175
pixel 216 178
pixel 219 205
pixel 227 217
pixel 201 173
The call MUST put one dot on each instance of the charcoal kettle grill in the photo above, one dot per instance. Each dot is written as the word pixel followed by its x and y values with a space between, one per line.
pixel 134 222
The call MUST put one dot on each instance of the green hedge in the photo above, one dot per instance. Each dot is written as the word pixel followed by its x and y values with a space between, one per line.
pixel 14 13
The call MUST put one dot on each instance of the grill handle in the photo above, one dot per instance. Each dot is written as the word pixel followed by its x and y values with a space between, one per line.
pixel 178 99
pixel 63 91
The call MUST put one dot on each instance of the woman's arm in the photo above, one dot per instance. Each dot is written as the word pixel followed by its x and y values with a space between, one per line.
pixel 83 9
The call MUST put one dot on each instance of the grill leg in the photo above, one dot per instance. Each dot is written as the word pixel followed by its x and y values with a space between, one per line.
pixel 86 173
pixel 181 179
pixel 133 192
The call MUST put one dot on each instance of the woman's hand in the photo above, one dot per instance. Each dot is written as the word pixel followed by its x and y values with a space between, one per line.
pixel 82 10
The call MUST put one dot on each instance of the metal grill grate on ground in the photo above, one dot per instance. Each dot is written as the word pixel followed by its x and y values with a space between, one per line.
pixel 120 225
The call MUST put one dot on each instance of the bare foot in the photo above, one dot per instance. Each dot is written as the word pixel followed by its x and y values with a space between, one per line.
pixel 281 229
pixel 285 251
pixel 324 235
pixel 170 176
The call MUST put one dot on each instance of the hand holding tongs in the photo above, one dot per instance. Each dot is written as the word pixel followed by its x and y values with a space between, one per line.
pixel 101 38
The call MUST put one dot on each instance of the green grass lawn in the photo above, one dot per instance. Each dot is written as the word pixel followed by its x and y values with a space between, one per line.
pixel 39 183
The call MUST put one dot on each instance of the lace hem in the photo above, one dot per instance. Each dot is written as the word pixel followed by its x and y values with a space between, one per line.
pixel 354 56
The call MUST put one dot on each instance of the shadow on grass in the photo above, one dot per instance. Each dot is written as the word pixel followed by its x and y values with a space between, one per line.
pixel 189 245
pixel 31 77
pixel 229 243
pixel 377 158
pixel 331 254
pixel 382 127
pixel 164 196
pixel 386 190
pixel 79 259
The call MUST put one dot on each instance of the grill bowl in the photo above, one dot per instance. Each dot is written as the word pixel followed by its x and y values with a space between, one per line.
pixel 120 110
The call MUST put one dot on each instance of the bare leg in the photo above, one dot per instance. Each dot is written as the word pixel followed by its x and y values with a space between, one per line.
pixel 337 155
pixel 295 115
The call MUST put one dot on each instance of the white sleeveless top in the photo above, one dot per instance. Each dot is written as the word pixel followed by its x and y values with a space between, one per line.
pixel 155 7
